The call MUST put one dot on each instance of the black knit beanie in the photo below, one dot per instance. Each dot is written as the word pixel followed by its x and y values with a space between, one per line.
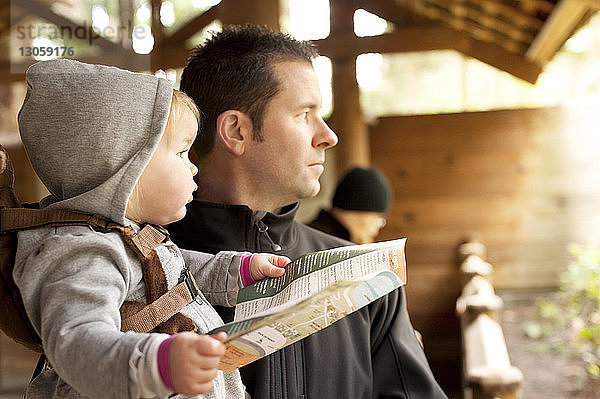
pixel 363 189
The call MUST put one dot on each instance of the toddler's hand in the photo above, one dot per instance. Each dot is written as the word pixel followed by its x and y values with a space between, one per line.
pixel 193 361
pixel 267 265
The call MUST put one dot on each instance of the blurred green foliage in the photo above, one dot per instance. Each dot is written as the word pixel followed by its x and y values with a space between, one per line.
pixel 569 321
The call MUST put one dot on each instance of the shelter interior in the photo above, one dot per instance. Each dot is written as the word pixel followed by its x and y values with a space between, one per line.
pixel 525 180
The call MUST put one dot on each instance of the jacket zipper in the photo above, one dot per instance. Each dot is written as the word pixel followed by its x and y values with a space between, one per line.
pixel 278 367
pixel 263 228
pixel 275 360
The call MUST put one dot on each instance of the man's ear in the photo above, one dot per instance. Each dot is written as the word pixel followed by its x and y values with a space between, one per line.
pixel 234 128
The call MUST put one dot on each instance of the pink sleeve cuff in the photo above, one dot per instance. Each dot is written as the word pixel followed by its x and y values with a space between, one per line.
pixel 163 361
pixel 245 270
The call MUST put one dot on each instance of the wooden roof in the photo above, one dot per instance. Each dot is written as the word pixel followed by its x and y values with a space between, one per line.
pixel 517 36
pixel 533 29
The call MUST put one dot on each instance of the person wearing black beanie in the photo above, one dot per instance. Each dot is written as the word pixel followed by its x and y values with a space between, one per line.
pixel 360 204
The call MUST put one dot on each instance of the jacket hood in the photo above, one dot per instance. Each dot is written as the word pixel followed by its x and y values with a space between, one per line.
pixel 89 132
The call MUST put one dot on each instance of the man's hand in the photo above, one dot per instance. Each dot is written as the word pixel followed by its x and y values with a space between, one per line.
pixel 267 265
pixel 193 361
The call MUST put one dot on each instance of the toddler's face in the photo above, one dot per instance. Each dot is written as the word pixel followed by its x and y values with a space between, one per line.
pixel 167 184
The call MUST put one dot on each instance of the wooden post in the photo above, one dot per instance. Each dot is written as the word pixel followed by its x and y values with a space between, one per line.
pixel 347 119
pixel 487 372
pixel 258 12
pixel 158 32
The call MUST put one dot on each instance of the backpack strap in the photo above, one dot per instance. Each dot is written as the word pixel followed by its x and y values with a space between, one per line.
pixel 163 305
pixel 162 312
pixel 163 308
pixel 17 219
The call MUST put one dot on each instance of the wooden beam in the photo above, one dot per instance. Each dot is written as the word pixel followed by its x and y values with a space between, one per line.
pixel 593 4
pixel 195 25
pixel 341 17
pixel 171 51
pixel 522 18
pixel 390 10
pixel 565 17
pixel 259 12
pixel 533 6
pixel 406 39
pixel 126 13
pixel 158 32
pixel 112 53
pixel 173 55
pixel 137 62
pixel 11 20
pixel 432 36
pixel 475 18
pixel 496 56
pixel 517 15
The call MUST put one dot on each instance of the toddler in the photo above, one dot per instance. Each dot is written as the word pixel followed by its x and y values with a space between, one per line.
pixel 114 143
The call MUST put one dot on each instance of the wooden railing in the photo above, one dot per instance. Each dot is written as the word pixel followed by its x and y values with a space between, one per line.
pixel 487 372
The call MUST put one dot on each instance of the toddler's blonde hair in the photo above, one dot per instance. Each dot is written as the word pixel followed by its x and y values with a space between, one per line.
pixel 179 103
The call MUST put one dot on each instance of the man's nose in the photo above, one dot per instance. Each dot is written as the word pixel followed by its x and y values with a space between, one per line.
pixel 324 137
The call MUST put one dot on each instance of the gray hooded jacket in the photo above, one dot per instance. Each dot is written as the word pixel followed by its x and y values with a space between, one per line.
pixel 89 132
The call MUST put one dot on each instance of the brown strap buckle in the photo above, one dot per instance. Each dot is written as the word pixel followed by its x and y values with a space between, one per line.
pixel 187 278
pixel 160 310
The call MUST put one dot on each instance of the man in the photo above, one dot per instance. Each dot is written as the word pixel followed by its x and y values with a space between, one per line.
pixel 360 203
pixel 261 150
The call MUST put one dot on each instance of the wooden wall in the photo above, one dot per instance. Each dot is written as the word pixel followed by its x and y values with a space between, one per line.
pixel 528 181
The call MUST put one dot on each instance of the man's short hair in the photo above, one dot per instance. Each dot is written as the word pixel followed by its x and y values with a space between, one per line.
pixel 233 70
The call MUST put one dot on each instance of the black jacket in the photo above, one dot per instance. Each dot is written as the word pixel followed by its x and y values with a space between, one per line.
pixel 372 353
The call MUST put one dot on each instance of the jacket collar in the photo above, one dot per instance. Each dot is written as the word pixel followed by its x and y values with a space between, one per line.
pixel 237 227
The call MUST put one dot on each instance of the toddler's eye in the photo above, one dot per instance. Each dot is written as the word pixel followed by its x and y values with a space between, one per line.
pixel 183 154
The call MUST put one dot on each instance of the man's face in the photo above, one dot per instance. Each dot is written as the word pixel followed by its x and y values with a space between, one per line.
pixel 288 163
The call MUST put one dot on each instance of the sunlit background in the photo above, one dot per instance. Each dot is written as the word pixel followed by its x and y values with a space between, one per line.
pixel 426 82
pixel 390 84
